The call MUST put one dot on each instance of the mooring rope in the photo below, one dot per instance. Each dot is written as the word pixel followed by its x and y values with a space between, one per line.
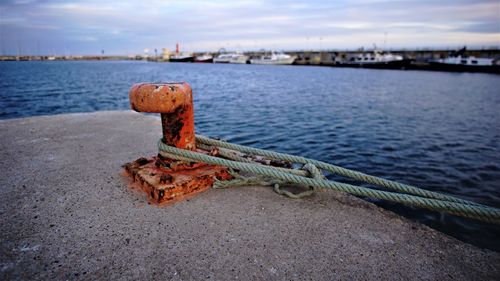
pixel 312 176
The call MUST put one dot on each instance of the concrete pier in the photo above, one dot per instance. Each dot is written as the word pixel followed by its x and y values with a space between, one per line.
pixel 66 213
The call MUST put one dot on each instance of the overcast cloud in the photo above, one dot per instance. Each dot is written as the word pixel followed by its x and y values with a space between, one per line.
pixel 128 27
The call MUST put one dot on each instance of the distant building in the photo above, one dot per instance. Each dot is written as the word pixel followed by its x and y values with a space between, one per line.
pixel 165 54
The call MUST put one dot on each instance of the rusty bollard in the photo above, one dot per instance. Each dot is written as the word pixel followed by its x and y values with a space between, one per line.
pixel 175 103
pixel 165 179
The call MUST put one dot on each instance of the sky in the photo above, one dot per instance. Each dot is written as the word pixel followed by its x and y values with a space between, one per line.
pixel 87 27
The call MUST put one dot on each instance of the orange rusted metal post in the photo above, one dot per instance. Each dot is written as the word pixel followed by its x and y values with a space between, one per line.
pixel 175 103
pixel 164 179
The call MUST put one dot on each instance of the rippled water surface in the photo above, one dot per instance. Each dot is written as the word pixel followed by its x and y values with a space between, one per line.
pixel 436 130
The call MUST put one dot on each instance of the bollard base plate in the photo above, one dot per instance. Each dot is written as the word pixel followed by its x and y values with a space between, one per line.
pixel 166 180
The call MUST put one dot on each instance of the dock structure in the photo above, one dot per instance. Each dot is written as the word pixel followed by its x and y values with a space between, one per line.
pixel 331 57
pixel 304 57
pixel 67 213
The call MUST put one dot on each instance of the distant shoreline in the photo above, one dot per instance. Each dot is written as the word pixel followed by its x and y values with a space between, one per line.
pixel 416 54
pixel 417 59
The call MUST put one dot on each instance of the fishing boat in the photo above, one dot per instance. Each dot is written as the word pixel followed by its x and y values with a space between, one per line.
pixel 274 58
pixel 182 57
pixel 236 57
pixel 457 61
pixel 206 58
pixel 377 59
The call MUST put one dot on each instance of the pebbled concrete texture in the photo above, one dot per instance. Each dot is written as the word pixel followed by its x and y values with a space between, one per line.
pixel 66 213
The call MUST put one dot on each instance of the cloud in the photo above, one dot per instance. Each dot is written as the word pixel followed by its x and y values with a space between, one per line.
pixel 121 26
pixel 482 27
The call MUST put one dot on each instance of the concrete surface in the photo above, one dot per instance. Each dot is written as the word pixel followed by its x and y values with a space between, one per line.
pixel 66 213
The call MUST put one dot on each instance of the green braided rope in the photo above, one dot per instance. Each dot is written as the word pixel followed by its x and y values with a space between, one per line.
pixel 239 180
pixel 392 185
pixel 443 203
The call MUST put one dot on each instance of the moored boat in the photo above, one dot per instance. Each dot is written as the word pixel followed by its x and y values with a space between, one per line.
pixel 235 57
pixel 377 59
pixel 274 58
pixel 206 58
pixel 182 57
pixel 458 62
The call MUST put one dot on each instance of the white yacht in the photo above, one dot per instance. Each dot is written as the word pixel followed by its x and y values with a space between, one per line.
pixel 465 61
pixel 458 58
pixel 236 57
pixel 377 59
pixel 206 58
pixel 274 58
pixel 458 61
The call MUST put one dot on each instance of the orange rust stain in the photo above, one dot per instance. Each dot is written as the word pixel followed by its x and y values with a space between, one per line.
pixel 164 185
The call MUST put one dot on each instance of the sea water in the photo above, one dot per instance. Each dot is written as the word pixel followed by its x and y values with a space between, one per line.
pixel 435 130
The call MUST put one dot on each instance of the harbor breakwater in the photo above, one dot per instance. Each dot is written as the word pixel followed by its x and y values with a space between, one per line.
pixel 304 57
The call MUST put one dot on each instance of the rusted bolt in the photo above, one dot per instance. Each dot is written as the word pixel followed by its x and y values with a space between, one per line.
pixel 165 178
pixel 142 161
pixel 175 103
